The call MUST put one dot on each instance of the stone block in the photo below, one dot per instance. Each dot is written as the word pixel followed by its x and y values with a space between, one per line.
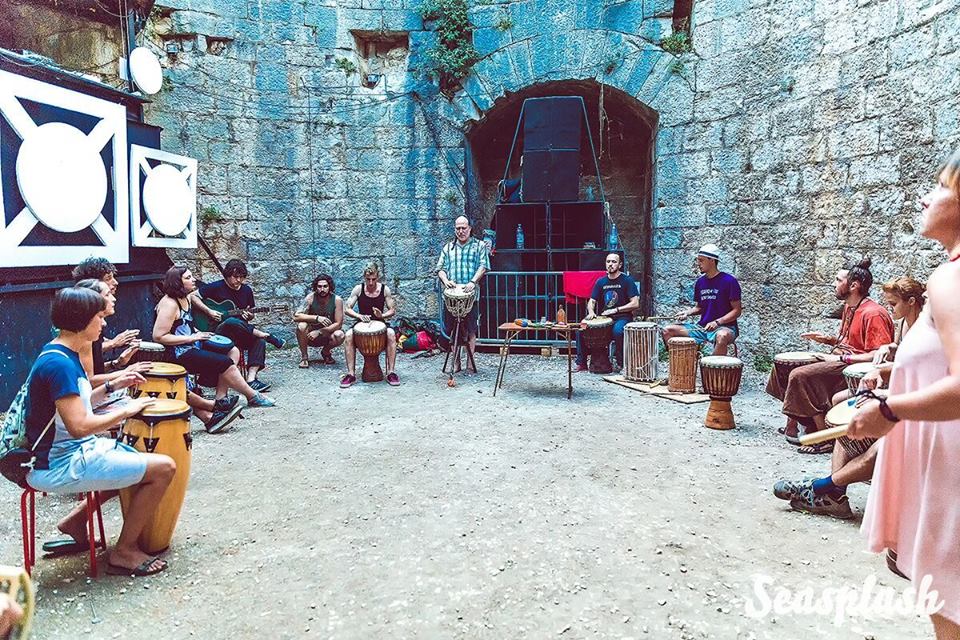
pixel 657 8
pixel 874 170
pixel 856 139
pixel 728 161
pixel 686 165
pixel 395 20
pixel 187 22
pixel 679 216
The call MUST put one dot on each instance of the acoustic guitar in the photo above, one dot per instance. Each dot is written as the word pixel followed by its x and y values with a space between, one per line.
pixel 227 309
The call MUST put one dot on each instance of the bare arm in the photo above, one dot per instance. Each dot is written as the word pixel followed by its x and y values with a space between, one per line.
pixel 197 303
pixel 301 315
pixel 351 302
pixel 736 308
pixel 591 308
pixel 167 312
pixel 81 423
pixel 390 303
pixel 337 317
pixel 631 306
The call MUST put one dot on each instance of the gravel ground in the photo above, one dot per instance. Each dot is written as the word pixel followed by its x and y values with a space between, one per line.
pixel 435 512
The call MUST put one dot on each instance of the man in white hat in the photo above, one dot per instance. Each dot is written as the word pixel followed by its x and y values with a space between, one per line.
pixel 717 297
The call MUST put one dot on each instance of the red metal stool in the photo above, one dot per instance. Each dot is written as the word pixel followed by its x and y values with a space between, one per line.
pixel 28 524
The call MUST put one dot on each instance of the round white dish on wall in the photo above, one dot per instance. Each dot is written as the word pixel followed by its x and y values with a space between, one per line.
pixel 167 200
pixel 145 70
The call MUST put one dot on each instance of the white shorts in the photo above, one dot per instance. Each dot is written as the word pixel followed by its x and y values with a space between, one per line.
pixel 97 464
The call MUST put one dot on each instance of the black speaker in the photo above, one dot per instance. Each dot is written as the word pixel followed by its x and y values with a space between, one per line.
pixel 550 176
pixel 552 123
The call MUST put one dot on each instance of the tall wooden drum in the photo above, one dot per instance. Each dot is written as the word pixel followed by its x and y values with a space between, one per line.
pixel 683 365
pixel 784 363
pixel 165 381
pixel 597 334
pixel 163 427
pixel 640 353
pixel 370 339
pixel 720 376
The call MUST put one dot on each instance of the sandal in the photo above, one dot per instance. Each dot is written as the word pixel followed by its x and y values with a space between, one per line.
pixel 141 570
pixel 816 449
pixel 304 363
pixel 794 440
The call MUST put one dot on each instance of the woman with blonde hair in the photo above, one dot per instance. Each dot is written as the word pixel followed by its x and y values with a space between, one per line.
pixel 913 507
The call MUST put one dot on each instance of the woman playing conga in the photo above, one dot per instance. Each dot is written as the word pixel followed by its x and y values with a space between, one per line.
pixel 61 427
pixel 913 507
pixel 174 328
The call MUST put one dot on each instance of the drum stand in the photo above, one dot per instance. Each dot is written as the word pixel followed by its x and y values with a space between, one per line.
pixel 455 347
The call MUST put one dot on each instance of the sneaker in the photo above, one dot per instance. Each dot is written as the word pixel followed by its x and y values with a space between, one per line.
pixel 790 489
pixel 347 381
pixel 226 403
pixel 836 506
pixel 580 366
pixel 393 379
pixel 275 341
pixel 259 386
pixel 220 420
pixel 260 400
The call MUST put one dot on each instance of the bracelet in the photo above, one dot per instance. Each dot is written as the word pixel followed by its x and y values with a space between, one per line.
pixel 108 386
pixel 887 412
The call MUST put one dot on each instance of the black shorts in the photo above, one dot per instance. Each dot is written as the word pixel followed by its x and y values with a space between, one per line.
pixel 321 340
pixel 206 365
pixel 467 325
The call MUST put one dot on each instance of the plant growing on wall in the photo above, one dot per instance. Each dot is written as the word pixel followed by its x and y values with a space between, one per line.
pixel 210 214
pixel 346 65
pixel 454 55
pixel 505 23
pixel 678 42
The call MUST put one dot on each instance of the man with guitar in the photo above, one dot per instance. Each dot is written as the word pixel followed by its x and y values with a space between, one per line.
pixel 230 303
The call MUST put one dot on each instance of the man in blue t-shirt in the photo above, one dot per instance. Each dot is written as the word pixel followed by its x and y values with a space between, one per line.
pixel 717 297
pixel 615 295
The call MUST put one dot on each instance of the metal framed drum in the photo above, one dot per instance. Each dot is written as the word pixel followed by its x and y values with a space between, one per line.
pixel 163 427
pixel 165 380
pixel 640 353
pixel 370 338
pixel 597 334
pixel 683 365
pixel 854 373
pixel 720 376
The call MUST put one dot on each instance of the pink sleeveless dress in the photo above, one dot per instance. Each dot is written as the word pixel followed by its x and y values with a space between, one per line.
pixel 914 504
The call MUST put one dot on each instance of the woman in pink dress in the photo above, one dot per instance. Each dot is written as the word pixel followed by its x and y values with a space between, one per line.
pixel 914 505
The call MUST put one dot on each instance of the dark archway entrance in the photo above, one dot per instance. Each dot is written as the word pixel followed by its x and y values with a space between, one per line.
pixel 625 145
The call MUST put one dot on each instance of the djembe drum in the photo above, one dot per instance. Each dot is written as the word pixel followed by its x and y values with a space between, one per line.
pixel 163 427
pixel 16 583
pixel 720 376
pixel 459 304
pixel 151 352
pixel 838 421
pixel 597 334
pixel 784 363
pixel 218 344
pixel 640 354
pixel 165 380
pixel 370 339
pixel 854 373
pixel 683 365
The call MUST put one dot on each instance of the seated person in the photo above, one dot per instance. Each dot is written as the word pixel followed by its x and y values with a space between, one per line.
pixel 717 297
pixel 233 288
pixel 174 329
pixel 807 393
pixel 375 302
pixel 615 295
pixel 61 427
pixel 320 320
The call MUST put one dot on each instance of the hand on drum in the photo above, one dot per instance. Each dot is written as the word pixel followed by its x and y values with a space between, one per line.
pixel 128 379
pixel 124 338
pixel 128 353
pixel 139 367
pixel 871 380
pixel 827 357
pixel 868 422
pixel 137 405
pixel 609 312
pixel 469 287
pixel 202 335
pixel 364 318
pixel 816 336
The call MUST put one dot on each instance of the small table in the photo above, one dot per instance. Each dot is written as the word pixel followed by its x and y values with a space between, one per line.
pixel 513 330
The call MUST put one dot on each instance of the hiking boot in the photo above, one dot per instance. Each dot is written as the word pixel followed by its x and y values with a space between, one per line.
pixel 226 403
pixel 220 420
pixel 260 400
pixel 836 506
pixel 790 489
pixel 259 386
pixel 347 380
pixel 275 341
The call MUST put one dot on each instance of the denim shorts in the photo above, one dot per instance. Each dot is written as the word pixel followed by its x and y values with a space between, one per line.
pixel 699 334
pixel 95 464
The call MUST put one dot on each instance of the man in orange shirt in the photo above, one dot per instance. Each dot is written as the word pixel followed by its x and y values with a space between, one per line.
pixel 808 390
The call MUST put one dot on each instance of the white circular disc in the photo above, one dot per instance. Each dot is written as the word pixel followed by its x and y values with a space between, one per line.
pixel 61 177
pixel 167 199
pixel 145 70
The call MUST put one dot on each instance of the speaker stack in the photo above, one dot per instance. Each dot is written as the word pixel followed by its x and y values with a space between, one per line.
pixel 551 149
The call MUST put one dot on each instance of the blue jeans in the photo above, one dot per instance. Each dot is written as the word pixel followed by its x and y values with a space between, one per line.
pixel 618 326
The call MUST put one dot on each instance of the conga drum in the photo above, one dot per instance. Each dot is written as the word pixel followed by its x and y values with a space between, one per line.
pixel 151 352
pixel 16 584
pixel 597 334
pixel 640 353
pixel 720 376
pixel 784 363
pixel 683 365
pixel 370 339
pixel 165 380
pixel 163 427
pixel 854 373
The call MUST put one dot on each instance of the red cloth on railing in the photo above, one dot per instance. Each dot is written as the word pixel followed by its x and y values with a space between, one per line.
pixel 578 285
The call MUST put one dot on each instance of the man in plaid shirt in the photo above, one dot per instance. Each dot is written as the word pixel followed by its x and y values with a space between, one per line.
pixel 463 262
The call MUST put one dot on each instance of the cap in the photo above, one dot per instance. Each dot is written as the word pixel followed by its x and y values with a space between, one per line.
pixel 710 251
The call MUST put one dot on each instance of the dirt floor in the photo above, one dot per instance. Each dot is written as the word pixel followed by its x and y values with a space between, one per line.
pixel 433 512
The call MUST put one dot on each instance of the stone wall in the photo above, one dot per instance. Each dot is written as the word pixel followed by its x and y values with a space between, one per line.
pixel 795 135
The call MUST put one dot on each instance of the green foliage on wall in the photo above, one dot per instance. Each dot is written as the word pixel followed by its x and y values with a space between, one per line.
pixel 454 54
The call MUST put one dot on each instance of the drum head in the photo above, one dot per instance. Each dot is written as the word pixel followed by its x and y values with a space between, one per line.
pixel 640 325
pixel 598 322
pixel 166 370
pixel 793 357
pixel 456 292
pixel 221 341
pixel 859 369
pixel 374 326
pixel 151 346
pixel 166 409
pixel 681 341
pixel 721 362
pixel 841 414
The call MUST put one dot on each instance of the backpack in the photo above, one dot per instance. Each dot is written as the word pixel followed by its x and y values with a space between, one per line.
pixel 16 461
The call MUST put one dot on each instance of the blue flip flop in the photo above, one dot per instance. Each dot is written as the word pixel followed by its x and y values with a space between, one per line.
pixel 66 547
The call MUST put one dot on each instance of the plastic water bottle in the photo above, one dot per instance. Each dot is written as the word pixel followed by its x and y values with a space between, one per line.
pixel 613 243
pixel 519 236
